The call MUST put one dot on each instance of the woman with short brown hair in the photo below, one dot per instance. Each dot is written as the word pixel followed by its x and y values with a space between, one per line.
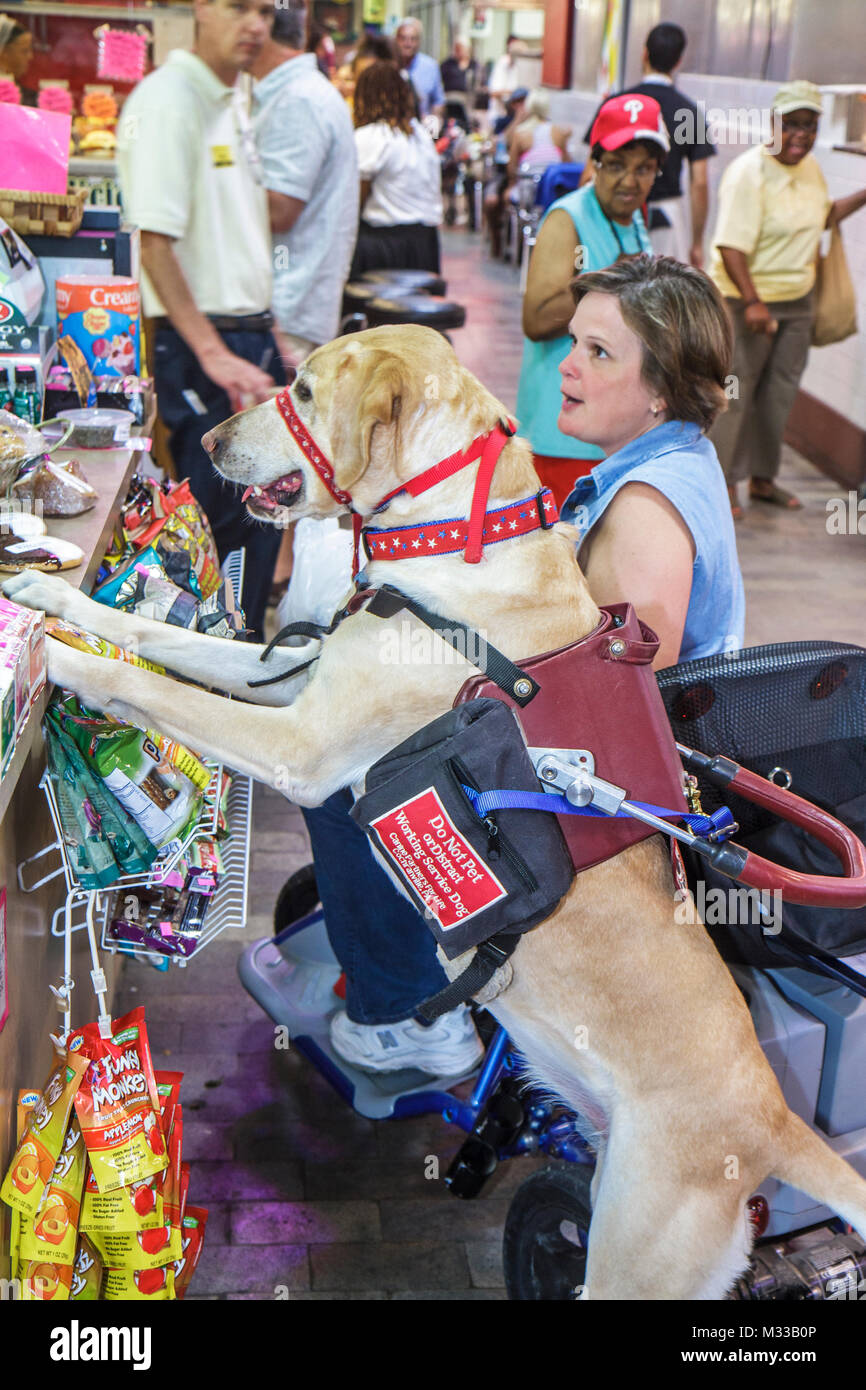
pixel 644 380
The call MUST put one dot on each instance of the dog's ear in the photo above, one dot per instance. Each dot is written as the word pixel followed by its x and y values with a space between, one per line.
pixel 380 403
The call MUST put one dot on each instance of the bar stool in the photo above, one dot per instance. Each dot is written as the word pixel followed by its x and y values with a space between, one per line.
pixel 405 281
pixel 430 310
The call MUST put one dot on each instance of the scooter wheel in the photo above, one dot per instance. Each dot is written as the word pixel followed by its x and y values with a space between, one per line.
pixel 298 896
pixel 546 1235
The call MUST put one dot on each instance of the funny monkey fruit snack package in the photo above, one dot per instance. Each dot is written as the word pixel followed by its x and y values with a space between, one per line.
pixel 139 1242
pixel 117 1102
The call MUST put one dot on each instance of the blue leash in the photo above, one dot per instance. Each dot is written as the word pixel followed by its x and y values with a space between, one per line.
pixel 720 824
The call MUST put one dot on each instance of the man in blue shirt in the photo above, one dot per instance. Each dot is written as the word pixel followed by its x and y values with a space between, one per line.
pixel 421 70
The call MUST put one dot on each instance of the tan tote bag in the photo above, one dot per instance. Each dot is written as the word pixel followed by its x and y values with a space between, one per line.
pixel 835 301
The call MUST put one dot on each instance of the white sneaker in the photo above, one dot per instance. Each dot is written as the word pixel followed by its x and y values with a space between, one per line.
pixel 449 1047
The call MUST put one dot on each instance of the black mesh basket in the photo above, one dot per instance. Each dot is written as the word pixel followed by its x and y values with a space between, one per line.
pixel 794 712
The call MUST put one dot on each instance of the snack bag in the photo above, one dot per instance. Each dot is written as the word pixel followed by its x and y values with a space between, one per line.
pixel 27 1100
pixel 172 1180
pixel 102 840
pixel 138 1207
pixel 117 1104
pixel 149 502
pixel 160 799
pixel 185 558
pixel 39 1149
pixel 54 1228
pixel 222 825
pixel 94 723
pixel 136 1285
pixel 43 1281
pixel 118 590
pixel 192 1239
pixel 177 498
pixel 184 1189
pixel 86 1272
pixel 168 1090
pixel 181 758
pixel 138 1250
pixel 206 854
pixel 96 646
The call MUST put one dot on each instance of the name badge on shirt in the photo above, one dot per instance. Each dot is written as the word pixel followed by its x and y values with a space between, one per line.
pixel 221 156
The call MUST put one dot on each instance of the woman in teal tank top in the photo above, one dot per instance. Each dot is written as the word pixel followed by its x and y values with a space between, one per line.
pixel 586 230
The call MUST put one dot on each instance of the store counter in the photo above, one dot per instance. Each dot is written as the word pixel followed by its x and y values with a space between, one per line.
pixel 31 959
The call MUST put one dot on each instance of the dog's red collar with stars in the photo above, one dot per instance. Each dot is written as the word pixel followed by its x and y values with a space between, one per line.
pixel 448 536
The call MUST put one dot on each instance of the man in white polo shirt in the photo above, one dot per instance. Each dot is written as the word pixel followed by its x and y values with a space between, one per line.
pixel 310 170
pixel 191 182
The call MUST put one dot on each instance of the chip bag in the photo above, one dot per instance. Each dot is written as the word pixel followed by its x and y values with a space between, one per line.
pixel 40 1145
pixel 117 1103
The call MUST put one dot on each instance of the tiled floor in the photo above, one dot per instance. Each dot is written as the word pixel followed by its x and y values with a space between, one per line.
pixel 307 1200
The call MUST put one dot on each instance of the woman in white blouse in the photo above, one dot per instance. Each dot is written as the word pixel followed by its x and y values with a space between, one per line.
pixel 401 196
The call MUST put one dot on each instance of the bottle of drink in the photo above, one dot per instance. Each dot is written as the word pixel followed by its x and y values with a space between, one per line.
pixel 25 395
pixel 5 393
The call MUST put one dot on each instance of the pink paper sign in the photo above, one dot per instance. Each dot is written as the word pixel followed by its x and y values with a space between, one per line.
pixel 34 149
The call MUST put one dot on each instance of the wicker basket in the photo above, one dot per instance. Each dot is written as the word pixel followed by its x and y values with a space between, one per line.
pixel 43 214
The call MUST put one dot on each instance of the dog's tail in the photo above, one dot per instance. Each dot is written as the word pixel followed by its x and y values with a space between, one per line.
pixel 805 1161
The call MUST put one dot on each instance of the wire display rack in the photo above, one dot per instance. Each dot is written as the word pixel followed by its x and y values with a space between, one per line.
pixel 88 909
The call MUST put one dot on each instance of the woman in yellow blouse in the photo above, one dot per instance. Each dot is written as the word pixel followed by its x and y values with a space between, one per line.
pixel 773 206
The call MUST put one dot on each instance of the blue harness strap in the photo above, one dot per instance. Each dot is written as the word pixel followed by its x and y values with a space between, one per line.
pixel 719 824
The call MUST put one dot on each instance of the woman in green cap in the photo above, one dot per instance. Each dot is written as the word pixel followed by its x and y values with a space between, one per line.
pixel 773 207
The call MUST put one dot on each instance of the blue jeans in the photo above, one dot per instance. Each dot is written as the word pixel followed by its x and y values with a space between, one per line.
pixel 190 404
pixel 379 938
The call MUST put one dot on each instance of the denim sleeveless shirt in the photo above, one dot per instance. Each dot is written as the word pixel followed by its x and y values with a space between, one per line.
pixel 680 463
pixel 538 396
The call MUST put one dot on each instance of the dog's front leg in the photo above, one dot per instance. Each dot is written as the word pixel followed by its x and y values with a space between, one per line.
pixel 222 663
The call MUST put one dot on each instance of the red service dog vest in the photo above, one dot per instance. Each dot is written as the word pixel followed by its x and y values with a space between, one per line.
pixel 600 693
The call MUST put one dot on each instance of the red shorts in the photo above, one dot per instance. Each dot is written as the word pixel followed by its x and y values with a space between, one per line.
pixel 560 475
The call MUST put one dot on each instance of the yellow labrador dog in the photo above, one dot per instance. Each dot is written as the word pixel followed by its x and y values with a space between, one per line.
pixel 671 1072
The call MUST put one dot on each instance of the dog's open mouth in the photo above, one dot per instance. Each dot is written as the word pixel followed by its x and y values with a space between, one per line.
pixel 264 501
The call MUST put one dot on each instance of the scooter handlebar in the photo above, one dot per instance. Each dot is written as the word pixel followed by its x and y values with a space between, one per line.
pixel 817 890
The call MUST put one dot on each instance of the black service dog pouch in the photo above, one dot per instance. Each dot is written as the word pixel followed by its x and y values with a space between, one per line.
pixel 470 876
